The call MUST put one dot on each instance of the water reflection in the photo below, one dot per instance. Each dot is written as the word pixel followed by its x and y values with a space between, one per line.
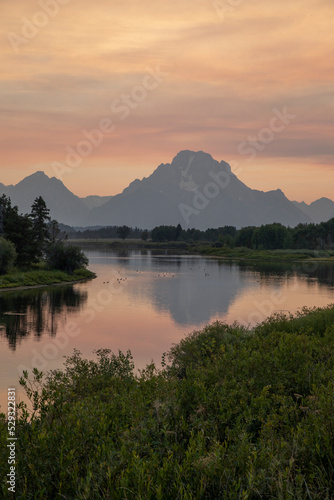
pixel 322 272
pixel 194 290
pixel 190 291
pixel 36 311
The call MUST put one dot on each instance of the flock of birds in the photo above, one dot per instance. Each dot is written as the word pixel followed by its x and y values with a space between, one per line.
pixel 160 275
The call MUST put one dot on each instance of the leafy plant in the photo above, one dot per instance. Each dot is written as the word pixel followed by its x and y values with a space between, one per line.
pixel 237 414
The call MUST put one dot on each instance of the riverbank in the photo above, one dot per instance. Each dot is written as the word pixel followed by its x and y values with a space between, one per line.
pixel 237 253
pixel 235 413
pixel 42 277
pixel 289 255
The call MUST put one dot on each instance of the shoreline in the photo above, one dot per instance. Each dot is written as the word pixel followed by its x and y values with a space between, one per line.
pixel 236 254
pixel 28 287
pixel 38 279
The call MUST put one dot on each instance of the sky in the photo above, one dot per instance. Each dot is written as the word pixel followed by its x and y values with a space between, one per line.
pixel 100 93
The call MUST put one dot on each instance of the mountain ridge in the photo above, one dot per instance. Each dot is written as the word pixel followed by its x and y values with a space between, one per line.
pixel 319 210
pixel 194 190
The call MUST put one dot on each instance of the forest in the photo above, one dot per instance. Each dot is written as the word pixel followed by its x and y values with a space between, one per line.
pixel 34 239
pixel 266 237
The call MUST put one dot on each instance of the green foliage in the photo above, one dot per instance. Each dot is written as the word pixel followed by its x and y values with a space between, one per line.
pixel 55 233
pixel 145 235
pixel 18 230
pixel 123 232
pixel 66 258
pixel 270 237
pixel 165 233
pixel 42 277
pixel 237 414
pixel 33 239
pixel 40 225
pixel 7 255
pixel 267 237
pixel 243 253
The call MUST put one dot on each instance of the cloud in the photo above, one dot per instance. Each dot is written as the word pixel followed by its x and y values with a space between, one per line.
pixel 225 77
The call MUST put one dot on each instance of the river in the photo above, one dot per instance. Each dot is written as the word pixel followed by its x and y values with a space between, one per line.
pixel 145 301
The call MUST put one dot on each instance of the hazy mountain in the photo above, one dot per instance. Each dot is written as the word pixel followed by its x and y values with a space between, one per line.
pixel 64 206
pixel 93 201
pixel 196 191
pixel 319 211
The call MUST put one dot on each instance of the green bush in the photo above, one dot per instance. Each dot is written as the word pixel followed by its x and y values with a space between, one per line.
pixel 7 255
pixel 66 258
pixel 238 414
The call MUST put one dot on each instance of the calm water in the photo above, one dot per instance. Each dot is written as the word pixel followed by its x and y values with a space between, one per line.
pixel 146 302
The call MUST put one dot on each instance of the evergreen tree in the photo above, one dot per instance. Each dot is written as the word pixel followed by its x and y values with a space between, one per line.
pixel 56 235
pixel 18 229
pixel 40 217
pixel 123 232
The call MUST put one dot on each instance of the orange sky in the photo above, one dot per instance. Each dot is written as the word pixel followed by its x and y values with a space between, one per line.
pixel 224 67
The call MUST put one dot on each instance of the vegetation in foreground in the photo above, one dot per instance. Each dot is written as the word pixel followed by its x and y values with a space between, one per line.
pixel 236 414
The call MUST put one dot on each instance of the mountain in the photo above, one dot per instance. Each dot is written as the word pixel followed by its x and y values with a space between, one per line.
pixel 319 211
pixel 64 206
pixel 196 191
pixel 93 201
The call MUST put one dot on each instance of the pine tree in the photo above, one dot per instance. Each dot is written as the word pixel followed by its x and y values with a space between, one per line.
pixel 40 224
pixel 18 229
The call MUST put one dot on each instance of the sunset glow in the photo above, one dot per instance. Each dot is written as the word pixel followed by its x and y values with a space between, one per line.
pixel 164 77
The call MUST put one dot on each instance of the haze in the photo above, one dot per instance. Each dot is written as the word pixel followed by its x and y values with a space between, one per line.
pixel 201 76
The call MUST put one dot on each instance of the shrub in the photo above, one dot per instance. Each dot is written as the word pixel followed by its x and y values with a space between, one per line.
pixel 239 414
pixel 66 258
pixel 7 255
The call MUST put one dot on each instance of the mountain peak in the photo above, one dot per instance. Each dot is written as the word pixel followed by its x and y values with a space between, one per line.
pixel 38 174
pixel 187 157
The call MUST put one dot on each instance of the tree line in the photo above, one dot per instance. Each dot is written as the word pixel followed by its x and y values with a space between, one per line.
pixel 273 236
pixel 266 237
pixel 34 238
pixel 107 232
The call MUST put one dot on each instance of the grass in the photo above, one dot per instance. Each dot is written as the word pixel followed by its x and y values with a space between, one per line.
pixel 233 414
pixel 202 248
pixel 40 276
pixel 116 244
pixel 244 253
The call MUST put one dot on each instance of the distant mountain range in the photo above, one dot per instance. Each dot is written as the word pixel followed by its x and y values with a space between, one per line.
pixel 319 211
pixel 194 190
